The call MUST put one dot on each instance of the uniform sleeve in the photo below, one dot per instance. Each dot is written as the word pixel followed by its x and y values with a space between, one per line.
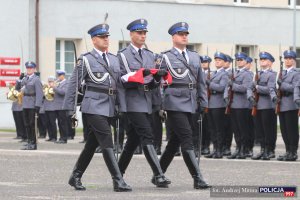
pixel 219 87
pixel 271 85
pixel 62 90
pixel 289 87
pixel 202 90
pixel 38 92
pixel 246 84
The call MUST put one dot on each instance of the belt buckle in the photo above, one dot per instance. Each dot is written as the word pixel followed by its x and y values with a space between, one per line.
pixel 110 91
pixel 146 88
pixel 191 86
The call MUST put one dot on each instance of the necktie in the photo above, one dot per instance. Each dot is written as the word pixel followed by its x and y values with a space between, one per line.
pixel 140 53
pixel 183 54
pixel 104 58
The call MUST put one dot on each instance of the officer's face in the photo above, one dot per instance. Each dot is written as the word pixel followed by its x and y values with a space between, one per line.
pixel 219 63
pixel 241 63
pixel 265 63
pixel 289 62
pixel 248 65
pixel 138 38
pixel 30 71
pixel 204 65
pixel 101 42
pixel 180 39
pixel 227 65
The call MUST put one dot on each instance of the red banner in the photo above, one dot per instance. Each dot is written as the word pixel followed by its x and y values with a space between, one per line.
pixel 10 72
pixel 6 83
pixel 9 61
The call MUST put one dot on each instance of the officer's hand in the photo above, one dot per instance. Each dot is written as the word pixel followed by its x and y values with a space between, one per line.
pixel 22 76
pixel 279 82
pixel 275 100
pixel 226 100
pixel 37 109
pixel 207 82
pixel 297 102
pixel 146 72
pixel 201 110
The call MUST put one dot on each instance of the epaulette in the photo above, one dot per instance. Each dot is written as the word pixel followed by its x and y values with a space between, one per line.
pixel 123 49
pixel 166 51
pixel 193 51
pixel 111 54
pixel 148 50
pixel 297 69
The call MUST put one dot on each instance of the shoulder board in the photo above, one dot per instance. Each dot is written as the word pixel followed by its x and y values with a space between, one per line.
pixel 166 51
pixel 87 53
pixel 297 69
pixel 148 50
pixel 111 54
pixel 193 51
pixel 123 49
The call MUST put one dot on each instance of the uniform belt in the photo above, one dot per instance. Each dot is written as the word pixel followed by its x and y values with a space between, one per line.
pixel 109 91
pixel 144 87
pixel 190 86
pixel 213 92
pixel 31 95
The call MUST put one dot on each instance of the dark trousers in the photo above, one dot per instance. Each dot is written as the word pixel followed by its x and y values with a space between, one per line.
pixel 19 123
pixel 266 128
pixel 289 129
pixel 228 135
pixel 71 131
pixel 205 133
pixel 113 123
pixel 85 126
pixel 157 129
pixel 181 134
pixel 52 129
pixel 240 126
pixel 29 122
pixel 42 125
pixel 62 124
pixel 100 134
pixel 139 131
pixel 216 126
pixel 250 142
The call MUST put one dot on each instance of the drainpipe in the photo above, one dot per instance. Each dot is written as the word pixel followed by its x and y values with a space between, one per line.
pixel 37 33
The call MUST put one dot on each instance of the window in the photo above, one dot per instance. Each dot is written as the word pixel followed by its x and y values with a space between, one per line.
pixel 298 58
pixel 241 2
pixel 291 3
pixel 123 44
pixel 250 50
pixel 65 56
pixel 194 47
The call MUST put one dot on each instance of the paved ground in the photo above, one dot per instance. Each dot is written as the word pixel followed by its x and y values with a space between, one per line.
pixel 43 174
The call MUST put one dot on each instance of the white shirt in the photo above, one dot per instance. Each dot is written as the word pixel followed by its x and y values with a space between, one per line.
pixel 100 53
pixel 289 69
pixel 186 55
pixel 135 48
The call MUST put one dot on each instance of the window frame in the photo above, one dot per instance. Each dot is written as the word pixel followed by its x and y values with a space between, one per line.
pixel 291 4
pixel 62 61
pixel 240 3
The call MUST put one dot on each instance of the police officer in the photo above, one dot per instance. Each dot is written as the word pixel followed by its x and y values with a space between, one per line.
pixel 32 89
pixel 266 120
pixel 181 99
pixel 288 115
pixel 205 62
pixel 100 71
pixel 59 89
pixel 240 105
pixel 51 116
pixel 227 124
pixel 216 105
pixel 139 101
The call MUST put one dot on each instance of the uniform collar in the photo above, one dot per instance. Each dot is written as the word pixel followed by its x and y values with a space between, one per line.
pixel 289 69
pixel 100 52
pixel 180 51
pixel 135 48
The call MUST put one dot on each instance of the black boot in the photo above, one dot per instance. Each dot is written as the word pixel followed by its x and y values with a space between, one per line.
pixel 292 156
pixel 112 165
pixel 284 156
pixel 75 180
pixel 166 158
pixel 212 154
pixel 191 162
pixel 30 146
pixel 205 151
pixel 124 160
pixel 226 151
pixel 259 155
pixel 158 178
pixel 235 154
pixel 242 154
pixel 219 153
pixel 265 156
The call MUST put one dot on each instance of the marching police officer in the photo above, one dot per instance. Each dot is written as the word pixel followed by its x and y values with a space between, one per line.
pixel 181 100
pixel 205 62
pixel 266 119
pixel 59 89
pixel 32 89
pixel 50 114
pixel 100 71
pixel 216 105
pixel 227 124
pixel 288 115
pixel 240 105
pixel 139 101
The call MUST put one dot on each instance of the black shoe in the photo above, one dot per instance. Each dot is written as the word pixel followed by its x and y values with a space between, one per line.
pixel 51 140
pixel 83 141
pixel 23 140
pixel 42 136
pixel 242 154
pixel 119 184
pixel 191 162
pixel 61 142
pixel 205 151
pixel 70 138
pixel 218 155
pixel 235 154
pixel 98 150
pixel 30 146
pixel 292 156
pixel 265 156
pixel 226 152
pixel 249 153
pixel 272 154
pixel 259 155
pixel 158 178
pixel 283 157
pixel 75 180
pixel 211 155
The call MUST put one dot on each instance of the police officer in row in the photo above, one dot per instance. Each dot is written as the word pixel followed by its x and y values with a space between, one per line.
pixel 240 105
pixel 266 119
pixel 32 89
pixel 100 71
pixel 216 105
pixel 59 89
pixel 139 100
pixel 288 115
pixel 181 99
